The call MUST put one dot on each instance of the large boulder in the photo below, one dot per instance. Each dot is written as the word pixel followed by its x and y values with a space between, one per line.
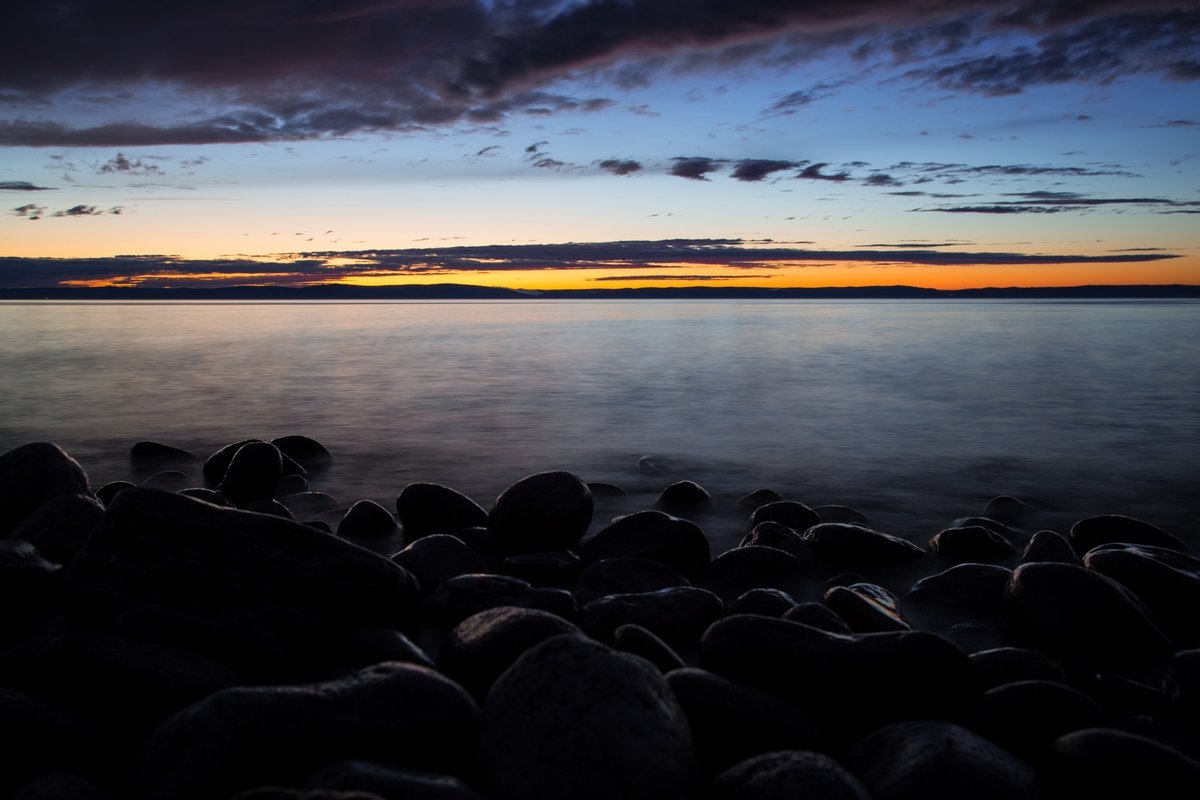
pixel 32 474
pixel 546 511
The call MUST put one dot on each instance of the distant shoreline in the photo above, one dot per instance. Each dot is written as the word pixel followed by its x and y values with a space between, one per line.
pixel 452 291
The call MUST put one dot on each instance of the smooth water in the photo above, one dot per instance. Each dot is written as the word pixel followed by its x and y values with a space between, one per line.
pixel 912 411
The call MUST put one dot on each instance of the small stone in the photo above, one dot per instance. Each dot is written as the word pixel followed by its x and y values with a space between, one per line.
pixel 483 543
pixel 866 608
pixel 842 514
pixel 437 558
pixel 639 641
pixel 652 535
pixel 854 545
pixel 1104 762
pixel 625 576
pixel 600 489
pixel 216 465
pixel 679 614
pixel 429 508
pixel 973 543
pixel 253 473
pixel 546 511
pixel 32 474
pixel 789 775
pixel 548 734
pixel 791 513
pixel 1110 528
pixel 651 465
pixel 207 495
pixel 741 569
pixel 1010 533
pixel 366 520
pixel 781 537
pixel 684 497
pixel 292 484
pixel 1049 546
pixel 271 506
pixel 460 597
pixel 308 453
pixel 768 602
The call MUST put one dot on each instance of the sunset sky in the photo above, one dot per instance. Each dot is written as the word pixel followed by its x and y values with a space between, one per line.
pixel 552 144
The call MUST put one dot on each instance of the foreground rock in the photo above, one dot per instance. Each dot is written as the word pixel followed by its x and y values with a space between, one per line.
pixel 786 775
pixel 32 474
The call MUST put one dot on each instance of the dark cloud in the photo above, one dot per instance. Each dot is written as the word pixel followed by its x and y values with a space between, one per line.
pixel 694 167
pixel 789 103
pixel 1046 202
pixel 881 179
pixel 23 186
pixel 756 169
pixel 690 278
pixel 620 166
pixel 998 209
pixel 35 212
pixel 813 172
pixel 123 164
pixel 29 211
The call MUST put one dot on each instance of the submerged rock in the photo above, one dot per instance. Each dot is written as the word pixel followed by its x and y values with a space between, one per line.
pixel 683 497
pixel 307 452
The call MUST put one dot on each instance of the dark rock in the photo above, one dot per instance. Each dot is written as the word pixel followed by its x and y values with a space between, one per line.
pixel 791 513
pixel 60 786
pixel 483 543
pixel 768 602
pixel 428 508
pixel 963 593
pixel 1072 612
pixel 208 496
pixel 272 507
pixel 305 504
pixel 918 760
pixel 1125 698
pixel 258 589
pixel 558 568
pixel 781 537
pixel 731 722
pixel 843 579
pixel 319 525
pixel 390 782
pixel 547 733
pixel 365 521
pixel 308 453
pixel 1010 511
pixel 546 511
pixel 108 491
pixel 788 775
pixel 253 473
pixel 678 614
pixel 374 644
pixel 484 645
pixel 1003 665
pixel 464 595
pixel 1103 762
pixel 625 576
pixel 866 608
pixel 1011 534
pixel 855 682
pixel 817 615
pixel 1049 546
pixel 28 581
pixel 171 480
pixel 639 641
pixel 32 474
pixel 1181 688
pixel 1027 716
pixel 1167 581
pixel 853 545
pixel 37 737
pixel 1110 528
pixel 599 489
pixel 397 714
pixel 292 484
pixel 216 465
pixel 59 527
pixel 652 535
pixel 974 544
pixel 153 455
pixel 842 514
pixel 759 497
pixel 683 497
pixel 436 559
pixel 971 637
pixel 649 465
pixel 741 569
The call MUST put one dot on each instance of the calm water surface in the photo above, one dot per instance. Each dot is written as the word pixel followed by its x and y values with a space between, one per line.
pixel 913 411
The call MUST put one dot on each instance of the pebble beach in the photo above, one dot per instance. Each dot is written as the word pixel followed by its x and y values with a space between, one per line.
pixel 222 628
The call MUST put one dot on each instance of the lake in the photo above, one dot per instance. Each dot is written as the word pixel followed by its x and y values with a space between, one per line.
pixel 914 412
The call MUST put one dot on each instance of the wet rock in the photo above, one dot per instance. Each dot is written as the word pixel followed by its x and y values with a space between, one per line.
pixel 253 473
pixel 817 615
pixel 171 480
pixel 483 543
pixel 558 568
pixel 787 775
pixel 1181 688
pixel 59 527
pixel 32 474
pixel 154 455
pixel 625 576
pixel 741 569
pixel 759 497
pixel 254 588
pixel 1011 534
pixel 600 489
pixel 484 645
pixel 428 508
pixel 292 484
pixel 651 465
pixel 1027 716
pixel 767 602
pixel 217 464
pixel 1109 528
pixel 684 497
pixel 1049 546
pixel 60 786
pixel 390 782
pixel 108 491
pixel 972 544
pixel 639 641
pixel 731 721
pixel 678 614
pixel 1103 762
pixel 437 558
pixel 855 545
pixel 965 593
pixel 547 733
pixel 924 759
pixel 28 581
pixel 319 525
pixel 866 608
pixel 208 496
pixel 1075 613
pixel 546 511
pixel 39 737
pixel 272 507
pixel 1011 511
pixel 464 595
pixel 306 504
pixel 853 682
pixel 374 644
pixel 781 537
pixel 652 535
pixel 308 453
pixel 1167 581
pixel 365 521
pixel 1003 665
pixel 842 514
pixel 240 738
pixel 791 513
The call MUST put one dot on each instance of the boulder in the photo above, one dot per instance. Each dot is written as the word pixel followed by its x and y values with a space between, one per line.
pixel 788 775
pixel 640 641
pixel 965 593
pixel 253 473
pixel 366 521
pixel 546 511
pixel 1166 580
pixel 152 456
pixel 1049 546
pixel 1027 716
pixel 108 491
pixel 437 558
pixel 790 513
pixel 306 504
pixel 842 514
pixel 1011 511
pixel 652 535
pixel 460 597
pixel 1109 528
pixel 32 474
pixel 741 569
pixel 1001 665
pixel 759 497
pixel 679 614
pixel 388 782
pixel 558 568
pixel 684 497
pixel 768 602
pixel 854 545
pixel 816 615
pixel 625 576
pixel 866 608
pixel 973 543
pixel 307 452
pixel 216 465
pixel 428 508
pixel 59 527
pixel 172 480
pixel 781 537
pixel 1104 762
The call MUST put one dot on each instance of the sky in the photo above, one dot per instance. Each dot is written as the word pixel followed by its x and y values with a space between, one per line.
pixel 564 144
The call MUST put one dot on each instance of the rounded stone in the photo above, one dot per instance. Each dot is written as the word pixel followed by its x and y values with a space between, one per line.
pixel 308 503
pixel 1104 762
pixel 741 569
pixel 679 614
pixel 788 775
pixel 652 535
pixel 866 608
pixel 639 641
pixel 108 491
pixel 1109 528
pixel 429 508
pixel 460 597
pixel 759 497
pixel 1027 716
pixel 683 497
pixel 791 513
pixel 546 511
pixel 625 576
pixel 1001 665
pixel 816 615
pixel 1049 546
pixel 32 474
pixel 1166 580
pixel 1010 510
pixel 781 537
pixel 60 527
pixel 384 781
pixel 437 558
pixel 366 520
pixel 768 602
pixel 154 454
pixel 548 733
pixel 973 543
pixel 253 473
pixel 965 593
pixel 305 451
pixel 855 545
pixel 558 568
pixel 842 514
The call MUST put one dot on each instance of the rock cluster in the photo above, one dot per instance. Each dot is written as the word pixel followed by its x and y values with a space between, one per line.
pixel 174 642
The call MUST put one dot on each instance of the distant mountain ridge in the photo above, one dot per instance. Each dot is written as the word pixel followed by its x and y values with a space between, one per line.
pixel 456 291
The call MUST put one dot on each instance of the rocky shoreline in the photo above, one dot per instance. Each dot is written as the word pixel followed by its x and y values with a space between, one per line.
pixel 172 641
